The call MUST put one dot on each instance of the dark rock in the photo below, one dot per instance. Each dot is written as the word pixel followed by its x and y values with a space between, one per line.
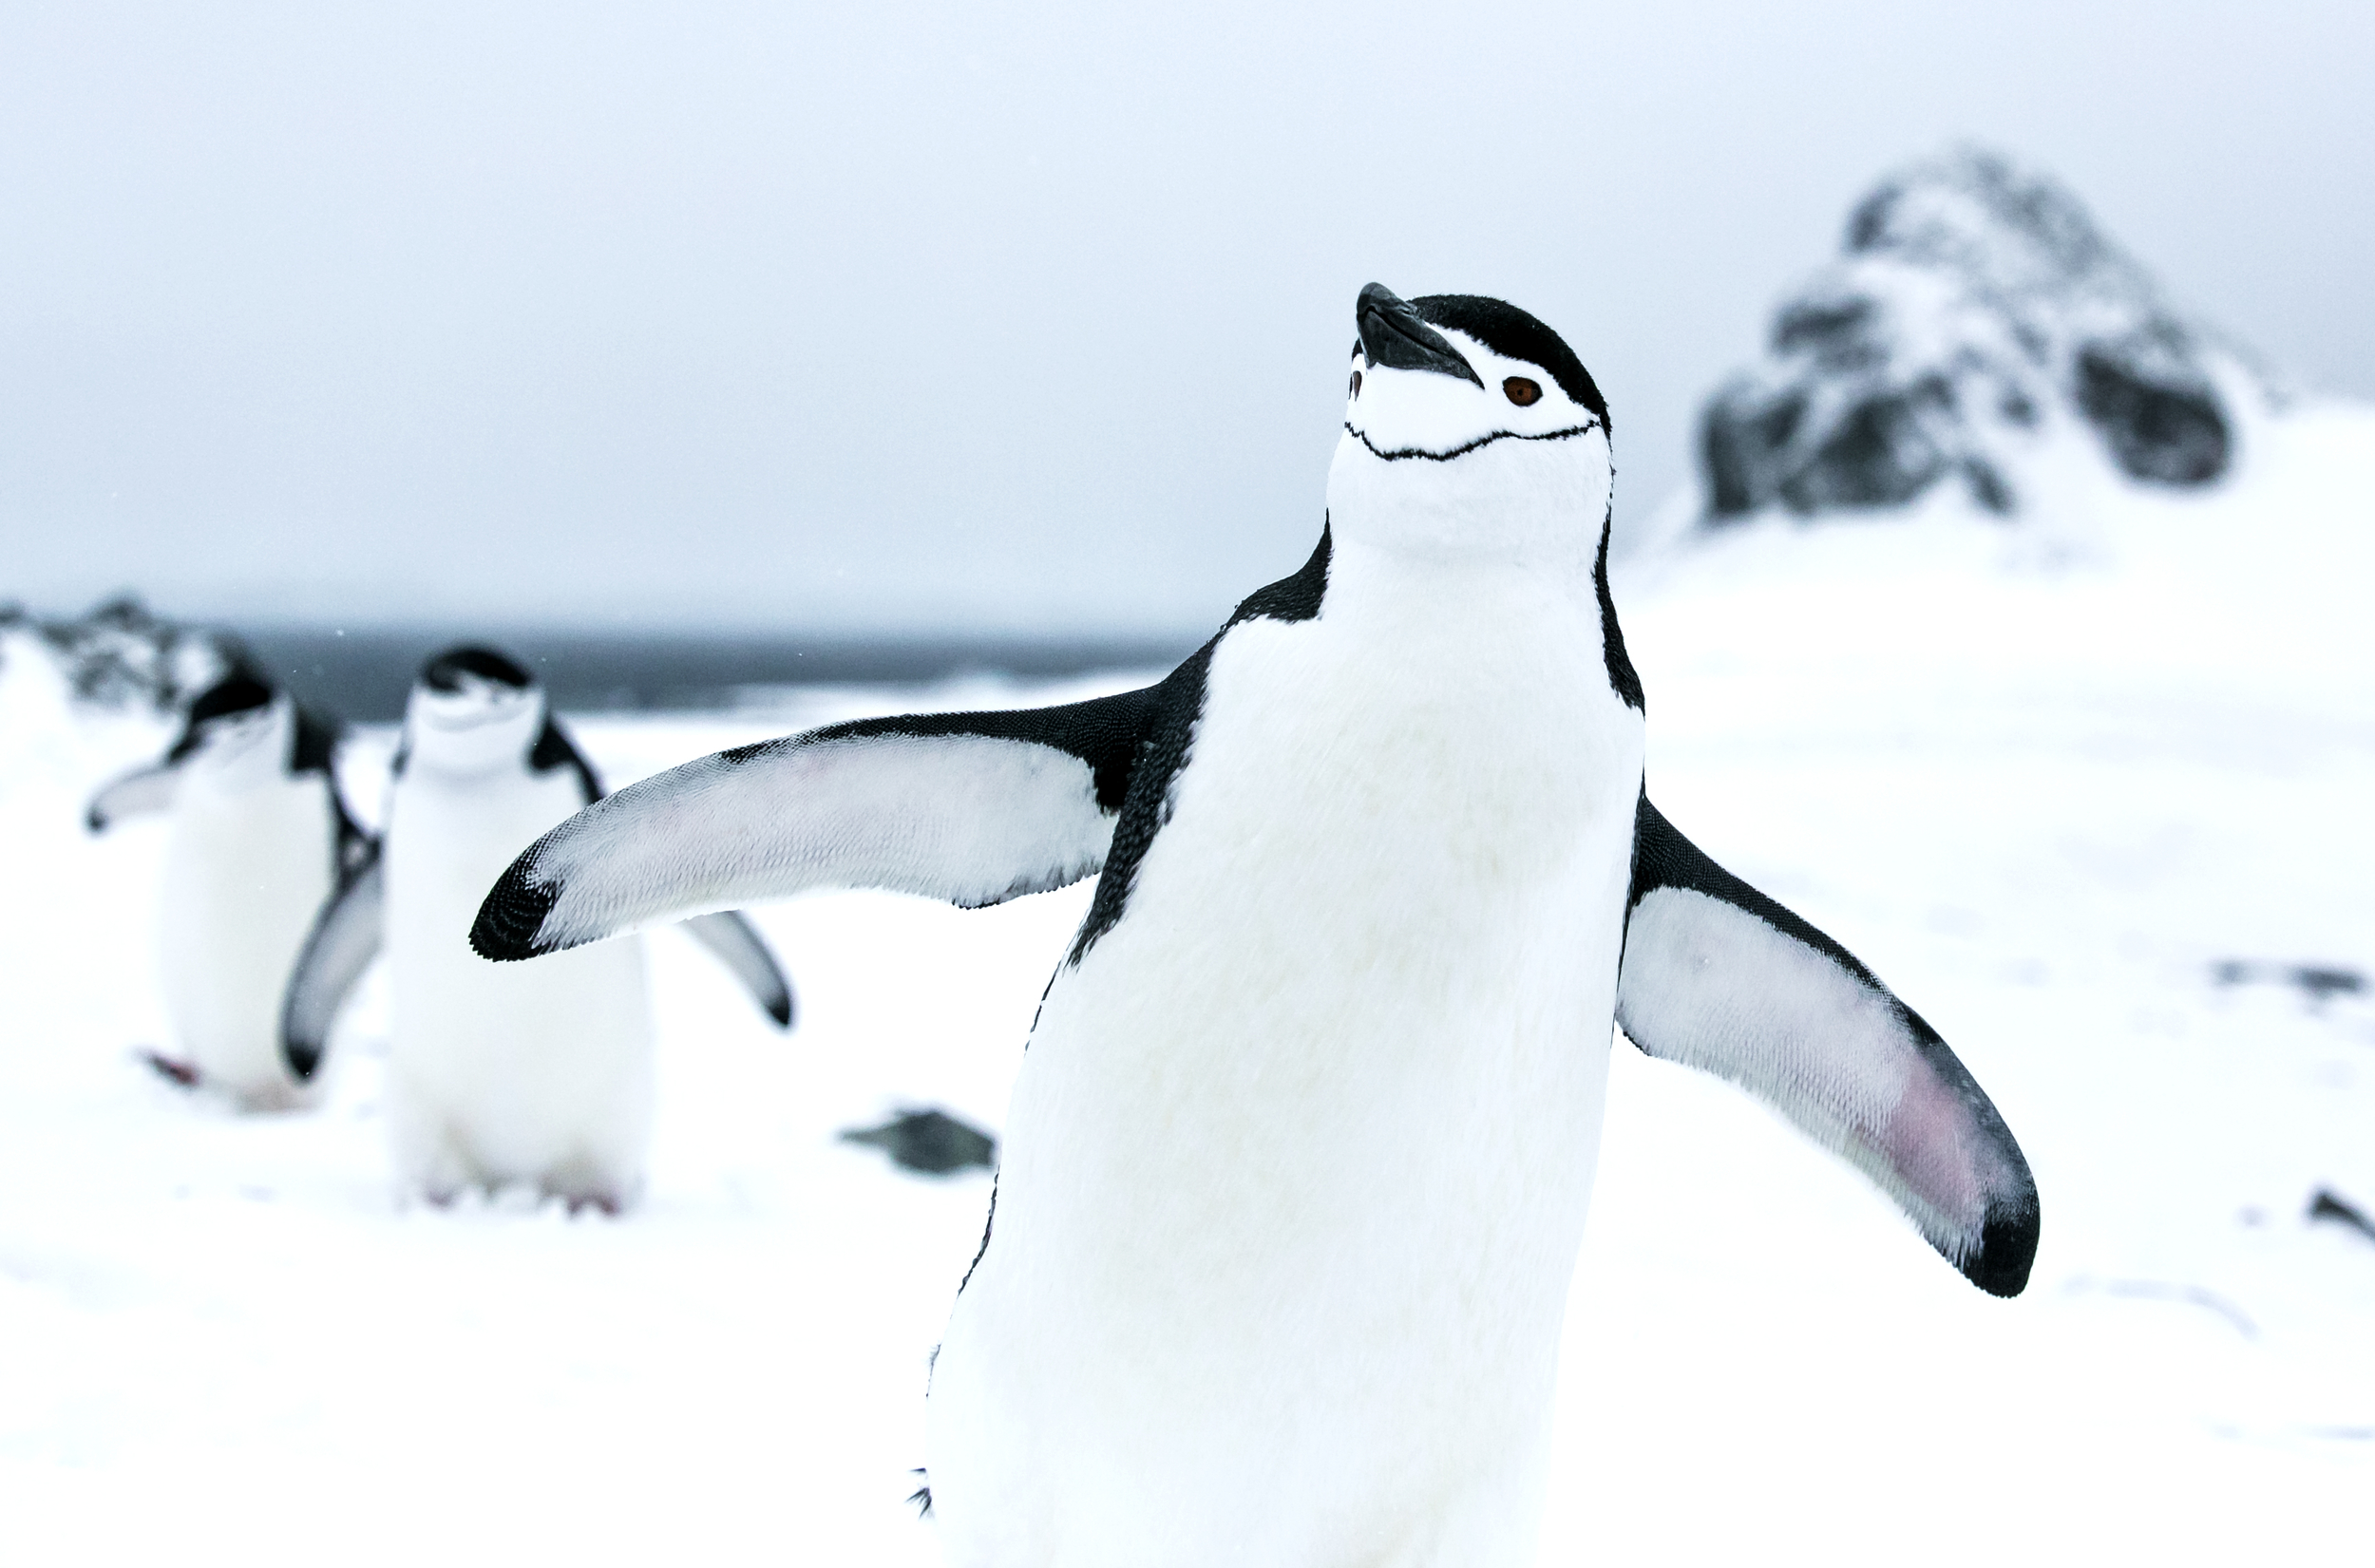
pixel 2325 1207
pixel 1973 303
pixel 2159 428
pixel 2319 982
pixel 931 1142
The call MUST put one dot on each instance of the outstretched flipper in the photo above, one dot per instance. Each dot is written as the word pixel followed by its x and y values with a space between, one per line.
pixel 729 935
pixel 345 939
pixel 1717 976
pixel 143 790
pixel 975 808
pixel 740 948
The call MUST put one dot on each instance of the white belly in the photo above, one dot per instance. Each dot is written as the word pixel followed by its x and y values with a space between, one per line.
pixel 246 872
pixel 500 1073
pixel 1296 1165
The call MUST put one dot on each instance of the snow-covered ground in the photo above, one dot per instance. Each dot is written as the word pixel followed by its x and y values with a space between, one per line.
pixel 2043 778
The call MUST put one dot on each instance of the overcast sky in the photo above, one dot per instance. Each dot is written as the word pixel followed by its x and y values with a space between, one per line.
pixel 1019 317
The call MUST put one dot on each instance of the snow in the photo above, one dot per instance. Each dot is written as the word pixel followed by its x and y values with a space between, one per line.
pixel 2043 778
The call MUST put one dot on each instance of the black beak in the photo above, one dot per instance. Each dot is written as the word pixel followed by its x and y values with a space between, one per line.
pixel 1392 335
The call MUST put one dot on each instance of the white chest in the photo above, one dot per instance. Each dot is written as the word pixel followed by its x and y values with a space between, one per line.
pixel 1368 947
pixel 537 1072
pixel 449 839
pixel 246 871
pixel 1326 1100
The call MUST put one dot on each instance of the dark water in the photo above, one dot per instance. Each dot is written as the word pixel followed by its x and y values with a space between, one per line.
pixel 364 675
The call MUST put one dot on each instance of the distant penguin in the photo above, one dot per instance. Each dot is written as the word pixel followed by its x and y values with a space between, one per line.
pixel 1294 1175
pixel 494 1076
pixel 259 840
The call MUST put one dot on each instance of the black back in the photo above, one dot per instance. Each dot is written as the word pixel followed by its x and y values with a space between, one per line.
pixel 553 748
pixel 1162 749
pixel 1623 678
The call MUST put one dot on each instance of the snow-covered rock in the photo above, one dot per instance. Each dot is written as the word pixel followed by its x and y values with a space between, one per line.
pixel 84 697
pixel 1977 319
pixel 122 654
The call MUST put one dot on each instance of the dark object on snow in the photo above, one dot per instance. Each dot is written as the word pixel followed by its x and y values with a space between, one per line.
pixel 928 1141
pixel 2327 1207
pixel 1975 304
pixel 2321 981
pixel 181 1074
pixel 122 653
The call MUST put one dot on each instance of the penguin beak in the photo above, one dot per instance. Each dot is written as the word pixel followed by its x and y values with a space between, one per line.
pixel 1393 336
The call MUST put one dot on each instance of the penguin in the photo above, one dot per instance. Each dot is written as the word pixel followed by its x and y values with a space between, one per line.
pixel 260 838
pixel 495 1077
pixel 1295 1169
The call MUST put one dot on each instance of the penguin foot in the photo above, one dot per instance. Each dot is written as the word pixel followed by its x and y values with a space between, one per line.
pixel 183 1074
pixel 604 1201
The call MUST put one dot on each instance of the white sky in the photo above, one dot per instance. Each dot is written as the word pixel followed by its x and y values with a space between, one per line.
pixel 989 317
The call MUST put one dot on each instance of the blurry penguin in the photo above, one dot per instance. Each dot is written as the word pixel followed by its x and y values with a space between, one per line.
pixel 259 840
pixel 496 1075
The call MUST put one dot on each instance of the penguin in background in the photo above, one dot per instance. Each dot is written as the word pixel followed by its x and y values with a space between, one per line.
pixel 259 840
pixel 494 1076
pixel 1294 1175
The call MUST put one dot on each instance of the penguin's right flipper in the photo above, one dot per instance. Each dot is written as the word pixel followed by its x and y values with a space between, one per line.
pixel 739 947
pixel 974 808
pixel 142 790
pixel 1719 977
pixel 345 939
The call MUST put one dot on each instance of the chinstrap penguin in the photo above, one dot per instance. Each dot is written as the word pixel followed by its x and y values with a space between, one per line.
pixel 259 839
pixel 1295 1168
pixel 494 1076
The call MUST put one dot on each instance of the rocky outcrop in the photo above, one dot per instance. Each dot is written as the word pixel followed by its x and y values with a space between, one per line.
pixel 123 655
pixel 1975 303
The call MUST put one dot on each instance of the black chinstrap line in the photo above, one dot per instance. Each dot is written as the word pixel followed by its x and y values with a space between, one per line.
pixel 1398 455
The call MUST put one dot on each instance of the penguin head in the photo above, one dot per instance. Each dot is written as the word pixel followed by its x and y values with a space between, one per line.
pixel 236 732
pixel 1471 430
pixel 472 712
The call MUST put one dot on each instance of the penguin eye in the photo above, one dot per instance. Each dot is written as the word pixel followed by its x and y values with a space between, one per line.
pixel 1355 383
pixel 1521 391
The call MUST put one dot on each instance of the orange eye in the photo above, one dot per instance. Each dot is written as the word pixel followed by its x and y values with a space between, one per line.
pixel 1355 383
pixel 1521 391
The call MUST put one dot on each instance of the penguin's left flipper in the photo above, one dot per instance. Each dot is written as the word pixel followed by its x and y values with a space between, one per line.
pixel 143 789
pixel 345 939
pixel 740 948
pixel 973 808
pixel 1719 977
